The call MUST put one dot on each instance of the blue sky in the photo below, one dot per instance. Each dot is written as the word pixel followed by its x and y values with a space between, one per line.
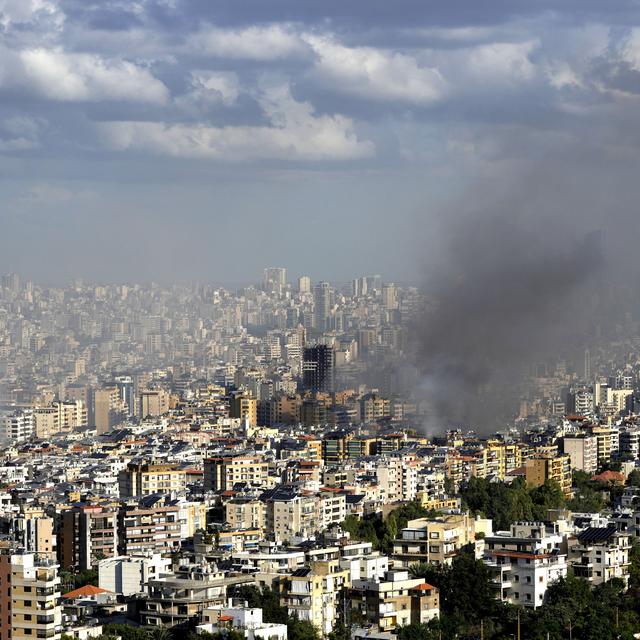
pixel 179 140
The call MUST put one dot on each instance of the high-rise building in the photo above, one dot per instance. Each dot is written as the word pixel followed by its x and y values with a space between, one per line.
pixel 126 391
pixel 29 595
pixel 11 281
pixel 274 280
pixel 587 365
pixel 87 533
pixel 583 452
pixel 304 284
pixel 243 405
pixel 105 404
pixel 322 301
pixel 318 370
pixel 222 473
pixel 154 402
pixel 390 296
pixel 19 425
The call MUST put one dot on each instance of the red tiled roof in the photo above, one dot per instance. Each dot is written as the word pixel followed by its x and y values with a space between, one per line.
pixel 423 587
pixel 84 592
pixel 609 476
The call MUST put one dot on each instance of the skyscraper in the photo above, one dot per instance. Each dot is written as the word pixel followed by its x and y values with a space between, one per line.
pixel 304 284
pixel 318 368
pixel 126 392
pixel 587 365
pixel 274 280
pixel 322 302
pixel 389 296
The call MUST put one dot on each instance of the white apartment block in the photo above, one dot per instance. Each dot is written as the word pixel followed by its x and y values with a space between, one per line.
pixel 524 562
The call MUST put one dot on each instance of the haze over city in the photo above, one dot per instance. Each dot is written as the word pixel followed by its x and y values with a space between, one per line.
pixel 319 320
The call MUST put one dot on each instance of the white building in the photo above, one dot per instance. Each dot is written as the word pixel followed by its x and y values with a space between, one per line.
pixel 525 561
pixel 249 621
pixel 19 425
pixel 599 554
pixel 128 574
pixel 583 451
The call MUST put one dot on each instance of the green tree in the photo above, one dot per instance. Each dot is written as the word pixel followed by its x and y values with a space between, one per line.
pixel 125 631
pixel 302 630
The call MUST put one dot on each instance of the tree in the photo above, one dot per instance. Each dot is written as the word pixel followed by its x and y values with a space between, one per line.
pixel 161 633
pixel 302 630
pixel 125 631
pixel 633 479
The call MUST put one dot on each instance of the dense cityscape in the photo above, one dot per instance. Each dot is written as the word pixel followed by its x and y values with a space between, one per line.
pixel 254 463
pixel 319 320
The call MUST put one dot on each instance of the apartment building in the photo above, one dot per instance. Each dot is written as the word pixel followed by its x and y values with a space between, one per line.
pixel 87 533
pixel 525 561
pixel 222 473
pixel 128 575
pixel 245 513
pixel 332 507
pixel 153 402
pixel 149 479
pixel 148 527
pixel 290 516
pixel 393 601
pixel 29 595
pixel 436 541
pixel 549 467
pixel 179 599
pixel 35 532
pixel 582 451
pixel 599 554
pixel 314 595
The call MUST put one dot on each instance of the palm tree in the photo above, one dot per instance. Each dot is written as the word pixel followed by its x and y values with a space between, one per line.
pixel 161 633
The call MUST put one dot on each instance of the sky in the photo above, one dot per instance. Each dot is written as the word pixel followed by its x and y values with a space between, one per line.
pixel 182 140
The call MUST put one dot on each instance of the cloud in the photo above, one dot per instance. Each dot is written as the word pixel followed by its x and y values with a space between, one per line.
pixel 209 88
pixel 295 132
pixel 375 73
pixel 509 61
pixel 23 12
pixel 20 133
pixel 78 77
pixel 270 42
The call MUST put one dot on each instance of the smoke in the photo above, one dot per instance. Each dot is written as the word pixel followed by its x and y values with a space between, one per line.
pixel 510 283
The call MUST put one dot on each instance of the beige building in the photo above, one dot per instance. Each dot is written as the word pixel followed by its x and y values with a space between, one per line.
pixel 60 416
pixel 243 513
pixel 436 541
pixel 583 452
pixel 154 402
pixel 547 467
pixel 608 441
pixel 106 406
pixel 599 554
pixel 88 533
pixel 291 517
pixel 244 406
pixel 221 474
pixel 148 479
pixel 153 529
pixel 314 594
pixel 35 532
pixel 29 594
pixel 394 601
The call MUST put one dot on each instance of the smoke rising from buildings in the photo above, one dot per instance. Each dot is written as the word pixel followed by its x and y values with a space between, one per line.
pixel 511 285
